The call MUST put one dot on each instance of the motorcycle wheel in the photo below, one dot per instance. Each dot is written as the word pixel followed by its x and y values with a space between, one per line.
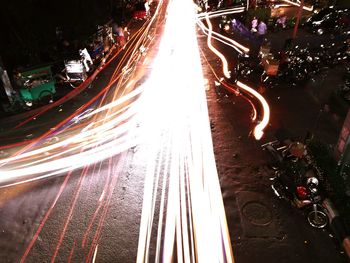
pixel 317 219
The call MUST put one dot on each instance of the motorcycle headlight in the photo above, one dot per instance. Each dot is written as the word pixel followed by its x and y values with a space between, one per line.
pixel 320 31
pixel 313 190
pixel 226 27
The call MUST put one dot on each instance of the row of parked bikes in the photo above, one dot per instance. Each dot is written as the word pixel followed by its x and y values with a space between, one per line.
pixel 297 65
pixel 297 179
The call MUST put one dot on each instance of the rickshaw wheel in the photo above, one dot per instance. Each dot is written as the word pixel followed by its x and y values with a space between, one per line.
pixel 46 97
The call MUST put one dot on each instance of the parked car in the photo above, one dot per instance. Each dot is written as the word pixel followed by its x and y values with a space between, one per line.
pixel 329 20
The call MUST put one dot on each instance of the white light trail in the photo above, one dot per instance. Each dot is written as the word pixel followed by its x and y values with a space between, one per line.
pixel 235 10
pixel 225 70
pixel 177 134
pixel 225 40
pixel 259 129
pixel 307 8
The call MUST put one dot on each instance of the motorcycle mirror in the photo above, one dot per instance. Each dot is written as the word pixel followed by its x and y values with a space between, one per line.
pixel 312 181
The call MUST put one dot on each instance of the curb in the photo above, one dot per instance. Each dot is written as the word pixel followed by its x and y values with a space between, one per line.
pixel 337 225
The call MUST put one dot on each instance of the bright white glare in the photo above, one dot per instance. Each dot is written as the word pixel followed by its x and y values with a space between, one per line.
pixel 175 122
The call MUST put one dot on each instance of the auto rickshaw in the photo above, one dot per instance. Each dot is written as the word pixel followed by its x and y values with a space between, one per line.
pixel 36 85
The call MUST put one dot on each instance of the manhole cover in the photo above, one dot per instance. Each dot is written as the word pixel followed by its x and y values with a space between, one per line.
pixel 257 213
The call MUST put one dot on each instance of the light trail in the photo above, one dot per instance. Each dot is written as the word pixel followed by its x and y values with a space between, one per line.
pixel 259 128
pixel 106 135
pixel 168 116
pixel 228 11
pixel 228 41
pixel 225 70
pixel 112 127
pixel 231 89
pixel 181 162
pixel 223 39
pixel 307 8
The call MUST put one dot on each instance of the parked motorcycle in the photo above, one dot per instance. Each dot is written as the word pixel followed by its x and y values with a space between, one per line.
pixel 306 197
pixel 296 180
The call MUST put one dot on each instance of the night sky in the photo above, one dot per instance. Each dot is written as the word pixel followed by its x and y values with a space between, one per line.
pixel 27 27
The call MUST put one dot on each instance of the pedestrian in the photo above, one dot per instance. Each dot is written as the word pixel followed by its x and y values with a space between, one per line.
pixel 254 25
pixel 281 21
pixel 120 37
pixel 262 29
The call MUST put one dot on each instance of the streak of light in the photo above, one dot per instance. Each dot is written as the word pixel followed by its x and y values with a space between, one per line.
pixel 86 138
pixel 76 195
pixel 116 166
pixel 103 197
pixel 94 134
pixel 230 88
pixel 135 40
pixel 259 129
pixel 95 254
pixel 71 252
pixel 217 13
pixel 307 8
pixel 45 218
pixel 116 126
pixel 239 47
pixel 225 70
pixel 86 83
pixel 68 96
pixel 225 40
pixel 179 147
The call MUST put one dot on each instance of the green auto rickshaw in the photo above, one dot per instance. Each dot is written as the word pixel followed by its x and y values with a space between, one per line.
pixel 36 85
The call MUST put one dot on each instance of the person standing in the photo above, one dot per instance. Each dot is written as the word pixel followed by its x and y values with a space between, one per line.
pixel 120 37
pixel 262 29
pixel 254 25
